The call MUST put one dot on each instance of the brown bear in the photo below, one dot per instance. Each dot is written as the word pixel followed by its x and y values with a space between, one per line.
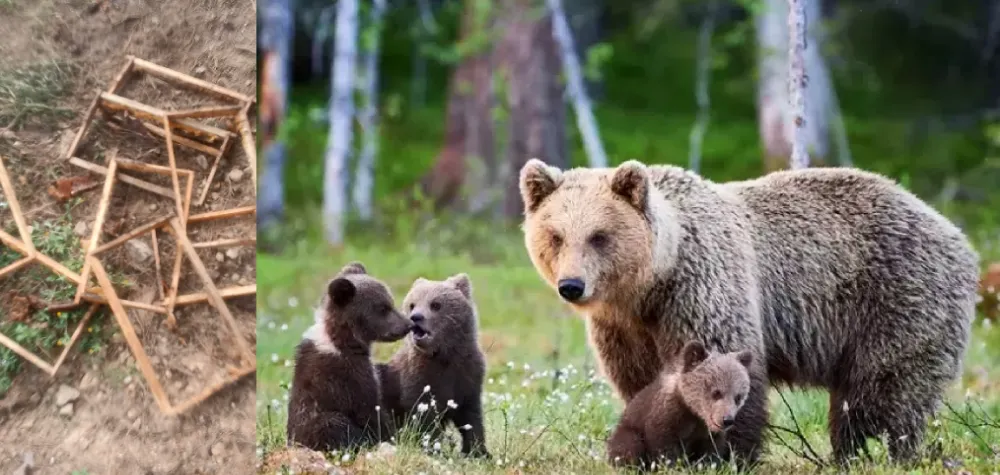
pixel 833 277
pixel 334 387
pixel 683 415
pixel 437 376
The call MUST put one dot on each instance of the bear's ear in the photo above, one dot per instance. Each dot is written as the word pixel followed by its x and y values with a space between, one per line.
pixel 692 355
pixel 353 268
pixel 537 182
pixel 341 291
pixel 745 357
pixel 462 283
pixel 631 181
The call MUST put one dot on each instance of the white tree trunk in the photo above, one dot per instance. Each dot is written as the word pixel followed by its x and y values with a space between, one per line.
pixel 365 174
pixel 703 77
pixel 776 105
pixel 797 81
pixel 585 120
pixel 338 142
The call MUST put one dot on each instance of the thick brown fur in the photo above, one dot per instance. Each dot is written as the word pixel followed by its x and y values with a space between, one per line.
pixel 335 388
pixel 442 354
pixel 833 277
pixel 683 415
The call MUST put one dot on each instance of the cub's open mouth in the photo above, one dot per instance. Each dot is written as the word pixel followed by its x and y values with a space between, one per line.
pixel 419 333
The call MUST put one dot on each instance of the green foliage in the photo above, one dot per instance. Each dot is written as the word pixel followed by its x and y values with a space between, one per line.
pixel 597 59
pixel 44 333
pixel 30 93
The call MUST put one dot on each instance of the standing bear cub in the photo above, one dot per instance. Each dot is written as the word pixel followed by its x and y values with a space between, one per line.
pixel 437 376
pixel 334 387
pixel 832 277
pixel 683 415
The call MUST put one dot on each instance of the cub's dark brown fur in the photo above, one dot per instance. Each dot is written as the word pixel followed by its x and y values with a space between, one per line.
pixel 685 414
pixel 335 388
pixel 437 376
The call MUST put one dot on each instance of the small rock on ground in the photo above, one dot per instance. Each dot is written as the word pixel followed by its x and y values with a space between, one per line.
pixel 66 410
pixel 235 175
pixel 66 394
pixel 138 251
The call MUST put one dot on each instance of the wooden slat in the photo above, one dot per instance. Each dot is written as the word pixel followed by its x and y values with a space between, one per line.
pixel 128 331
pixel 189 81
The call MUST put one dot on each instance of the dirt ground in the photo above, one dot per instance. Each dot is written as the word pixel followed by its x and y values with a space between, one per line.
pixel 114 425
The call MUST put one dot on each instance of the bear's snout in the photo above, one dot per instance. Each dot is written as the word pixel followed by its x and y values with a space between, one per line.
pixel 571 289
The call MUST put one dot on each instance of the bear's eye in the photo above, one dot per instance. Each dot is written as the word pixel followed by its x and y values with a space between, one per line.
pixel 412 306
pixel 386 309
pixel 599 239
pixel 738 399
pixel 557 240
pixel 435 306
pixel 717 395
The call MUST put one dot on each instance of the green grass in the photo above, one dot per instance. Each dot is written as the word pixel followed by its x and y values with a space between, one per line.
pixel 546 411
pixel 44 333
pixel 31 92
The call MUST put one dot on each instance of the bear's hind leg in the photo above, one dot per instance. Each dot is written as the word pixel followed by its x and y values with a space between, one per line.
pixel 897 405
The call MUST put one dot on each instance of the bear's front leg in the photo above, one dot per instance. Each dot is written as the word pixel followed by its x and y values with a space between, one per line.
pixel 627 355
pixel 746 437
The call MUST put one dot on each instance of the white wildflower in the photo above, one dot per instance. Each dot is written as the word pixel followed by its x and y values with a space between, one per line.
pixel 427 388
pixel 452 404
pixel 284 327
pixel 466 427
pixel 346 457
pixel 274 357
pixel 422 407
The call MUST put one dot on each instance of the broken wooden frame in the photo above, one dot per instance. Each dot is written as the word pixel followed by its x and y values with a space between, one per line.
pixel 142 359
pixel 203 137
pixel 94 244
pixel 51 368
pixel 25 247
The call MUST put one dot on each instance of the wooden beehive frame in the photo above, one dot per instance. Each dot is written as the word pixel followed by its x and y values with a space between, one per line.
pixel 183 128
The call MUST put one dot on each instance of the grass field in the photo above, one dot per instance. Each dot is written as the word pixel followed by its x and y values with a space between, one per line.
pixel 546 410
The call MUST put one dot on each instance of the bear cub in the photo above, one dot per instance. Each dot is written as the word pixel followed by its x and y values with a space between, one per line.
pixel 437 376
pixel 683 415
pixel 334 387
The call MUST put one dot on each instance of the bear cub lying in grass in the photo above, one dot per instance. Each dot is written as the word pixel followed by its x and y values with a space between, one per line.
pixel 437 376
pixel 334 387
pixel 683 415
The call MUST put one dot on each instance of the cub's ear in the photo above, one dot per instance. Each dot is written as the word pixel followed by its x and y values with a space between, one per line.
pixel 692 355
pixel 745 358
pixel 462 283
pixel 631 181
pixel 537 182
pixel 353 268
pixel 341 291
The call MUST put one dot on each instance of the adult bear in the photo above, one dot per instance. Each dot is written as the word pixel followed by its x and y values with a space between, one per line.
pixel 835 278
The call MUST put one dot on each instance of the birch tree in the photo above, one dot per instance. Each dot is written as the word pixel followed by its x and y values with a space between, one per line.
pixel 585 120
pixel 365 173
pixel 797 81
pixel 338 143
pixel 774 101
pixel 277 30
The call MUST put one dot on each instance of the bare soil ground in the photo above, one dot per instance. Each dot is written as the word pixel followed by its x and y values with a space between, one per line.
pixel 76 48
